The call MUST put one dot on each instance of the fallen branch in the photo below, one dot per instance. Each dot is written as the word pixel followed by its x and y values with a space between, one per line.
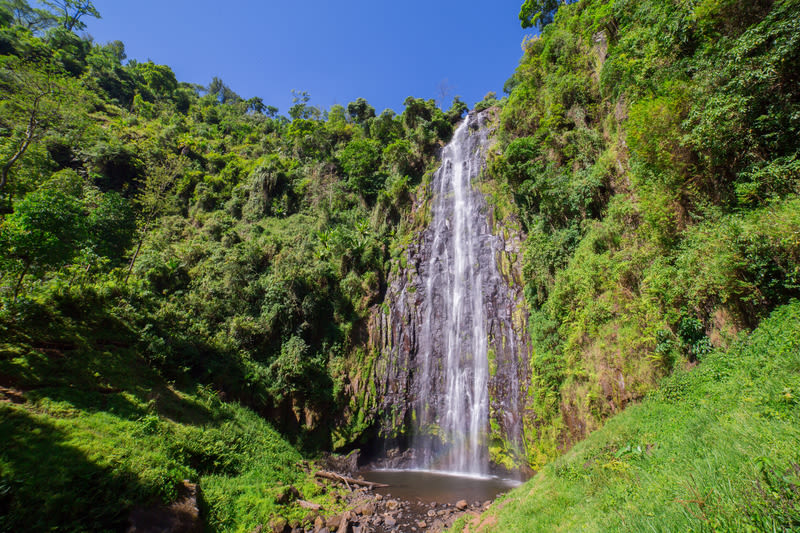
pixel 347 480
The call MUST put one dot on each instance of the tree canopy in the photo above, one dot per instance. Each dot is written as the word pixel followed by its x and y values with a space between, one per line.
pixel 539 13
pixel 72 12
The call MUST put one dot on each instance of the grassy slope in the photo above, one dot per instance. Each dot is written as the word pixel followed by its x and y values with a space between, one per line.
pixel 90 431
pixel 717 448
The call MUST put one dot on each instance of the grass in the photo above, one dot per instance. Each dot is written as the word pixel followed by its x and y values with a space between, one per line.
pixel 90 431
pixel 716 448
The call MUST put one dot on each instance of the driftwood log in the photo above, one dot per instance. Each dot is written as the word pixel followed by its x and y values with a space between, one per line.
pixel 348 480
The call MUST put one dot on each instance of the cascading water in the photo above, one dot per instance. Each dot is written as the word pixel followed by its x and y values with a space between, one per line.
pixel 455 400
pixel 453 281
pixel 451 333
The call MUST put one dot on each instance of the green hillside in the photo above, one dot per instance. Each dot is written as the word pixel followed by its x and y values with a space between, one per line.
pixel 652 148
pixel 187 276
pixel 714 449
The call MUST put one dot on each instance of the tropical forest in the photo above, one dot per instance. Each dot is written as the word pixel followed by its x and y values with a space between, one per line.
pixel 572 306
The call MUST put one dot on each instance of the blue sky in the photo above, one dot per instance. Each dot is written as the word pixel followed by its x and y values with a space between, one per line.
pixel 336 51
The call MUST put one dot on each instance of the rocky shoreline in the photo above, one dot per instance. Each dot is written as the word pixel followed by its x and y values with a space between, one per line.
pixel 367 508
pixel 373 512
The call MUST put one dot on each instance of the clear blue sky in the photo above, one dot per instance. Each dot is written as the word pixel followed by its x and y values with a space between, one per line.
pixel 337 51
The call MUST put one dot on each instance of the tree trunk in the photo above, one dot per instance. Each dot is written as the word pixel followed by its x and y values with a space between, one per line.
pixel 133 259
pixel 30 131
pixel 21 277
pixel 7 167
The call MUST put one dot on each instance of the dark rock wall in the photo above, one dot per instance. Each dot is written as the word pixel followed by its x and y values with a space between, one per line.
pixel 397 330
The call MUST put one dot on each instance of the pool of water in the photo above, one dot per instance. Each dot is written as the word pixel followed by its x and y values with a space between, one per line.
pixel 427 486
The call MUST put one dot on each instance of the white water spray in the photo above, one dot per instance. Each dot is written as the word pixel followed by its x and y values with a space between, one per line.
pixel 453 405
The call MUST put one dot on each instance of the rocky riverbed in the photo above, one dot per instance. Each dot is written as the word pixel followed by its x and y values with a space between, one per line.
pixel 371 509
pixel 371 512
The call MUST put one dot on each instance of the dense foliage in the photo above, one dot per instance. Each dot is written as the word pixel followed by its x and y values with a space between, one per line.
pixel 225 247
pixel 249 246
pixel 652 148
pixel 91 430
pixel 185 267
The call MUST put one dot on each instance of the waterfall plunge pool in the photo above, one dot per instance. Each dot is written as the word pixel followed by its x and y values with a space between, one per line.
pixel 426 486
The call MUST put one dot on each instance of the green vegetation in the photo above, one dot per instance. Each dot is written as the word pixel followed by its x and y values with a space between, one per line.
pixel 539 12
pixel 91 430
pixel 192 250
pixel 714 449
pixel 652 149
pixel 186 274
pixel 248 247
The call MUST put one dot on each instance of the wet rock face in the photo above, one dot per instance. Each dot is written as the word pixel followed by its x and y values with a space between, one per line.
pixel 451 336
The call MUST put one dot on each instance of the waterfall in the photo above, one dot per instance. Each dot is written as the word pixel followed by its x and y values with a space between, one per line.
pixel 450 374
pixel 452 408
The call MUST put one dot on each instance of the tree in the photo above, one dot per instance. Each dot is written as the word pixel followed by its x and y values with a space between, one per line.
pixel 296 371
pixel 300 108
pixel 444 90
pixel 32 101
pixel 154 195
pixel 72 11
pixel 159 79
pixel 417 110
pixel 386 127
pixel 255 105
pixel 400 159
pixel 223 93
pixel 111 224
pixel 360 111
pixel 539 13
pixel 271 111
pixel 117 49
pixel 36 20
pixel 457 110
pixel 44 231
pixel 6 17
pixel 361 160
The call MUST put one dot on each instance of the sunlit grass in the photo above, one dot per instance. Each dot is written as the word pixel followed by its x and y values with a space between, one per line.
pixel 91 431
pixel 717 448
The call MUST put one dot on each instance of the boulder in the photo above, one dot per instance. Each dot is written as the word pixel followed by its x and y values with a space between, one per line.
pixel 279 525
pixel 368 509
pixel 288 494
pixel 392 505
pixel 333 522
pixel 344 464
